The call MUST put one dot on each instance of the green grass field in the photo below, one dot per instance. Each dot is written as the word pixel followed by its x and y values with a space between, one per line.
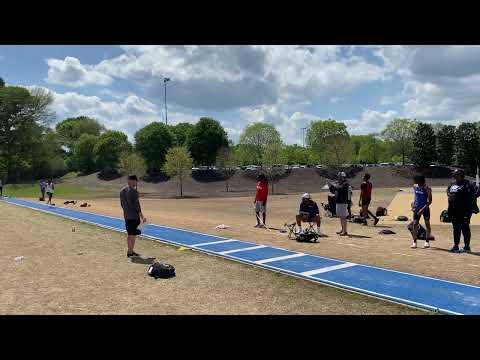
pixel 33 190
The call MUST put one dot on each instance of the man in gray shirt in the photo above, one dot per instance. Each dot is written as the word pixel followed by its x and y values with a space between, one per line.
pixel 132 212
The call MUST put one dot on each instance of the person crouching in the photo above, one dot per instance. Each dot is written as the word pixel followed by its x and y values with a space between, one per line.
pixel 308 212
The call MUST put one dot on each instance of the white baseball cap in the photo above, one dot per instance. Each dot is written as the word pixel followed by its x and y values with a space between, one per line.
pixel 306 196
pixel 342 174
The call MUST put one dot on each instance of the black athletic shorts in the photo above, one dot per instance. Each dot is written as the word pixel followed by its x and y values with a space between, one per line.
pixel 365 202
pixel 131 226
pixel 425 214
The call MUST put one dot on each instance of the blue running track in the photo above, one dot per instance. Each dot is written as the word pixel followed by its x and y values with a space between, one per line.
pixel 415 290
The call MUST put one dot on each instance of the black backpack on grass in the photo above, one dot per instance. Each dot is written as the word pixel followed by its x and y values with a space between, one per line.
pixel 163 271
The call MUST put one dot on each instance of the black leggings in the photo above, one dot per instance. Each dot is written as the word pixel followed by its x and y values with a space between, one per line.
pixel 461 224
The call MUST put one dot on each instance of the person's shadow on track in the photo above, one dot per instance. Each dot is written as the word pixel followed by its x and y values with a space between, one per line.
pixel 475 253
pixel 142 260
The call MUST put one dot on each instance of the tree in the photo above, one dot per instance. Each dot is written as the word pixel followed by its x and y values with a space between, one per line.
pixel 467 140
pixel 205 139
pixel 226 163
pixel 153 142
pixel 446 145
pixel 294 154
pixel 330 141
pixel 2 83
pixel 108 148
pixel 70 130
pixel 24 116
pixel 132 163
pixel 424 145
pixel 84 154
pixel 179 163
pixel 255 139
pixel 401 133
pixel 272 160
pixel 181 133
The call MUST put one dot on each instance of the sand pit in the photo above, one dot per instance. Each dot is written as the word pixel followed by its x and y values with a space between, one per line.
pixel 401 205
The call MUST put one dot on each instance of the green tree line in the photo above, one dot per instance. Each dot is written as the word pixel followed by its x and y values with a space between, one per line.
pixel 32 148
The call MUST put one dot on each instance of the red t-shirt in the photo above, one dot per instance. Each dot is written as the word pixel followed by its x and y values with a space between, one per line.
pixel 366 189
pixel 262 191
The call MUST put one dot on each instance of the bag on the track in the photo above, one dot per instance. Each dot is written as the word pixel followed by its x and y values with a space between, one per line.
pixel 422 232
pixel 307 237
pixel 358 220
pixel 381 211
pixel 401 218
pixel 444 217
pixel 161 271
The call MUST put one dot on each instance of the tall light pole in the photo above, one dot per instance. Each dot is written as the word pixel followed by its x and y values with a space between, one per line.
pixel 165 80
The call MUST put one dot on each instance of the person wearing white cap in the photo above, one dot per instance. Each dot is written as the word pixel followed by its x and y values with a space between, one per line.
pixel 308 212
pixel 341 189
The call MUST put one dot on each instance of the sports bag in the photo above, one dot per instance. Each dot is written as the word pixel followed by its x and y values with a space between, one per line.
pixel 307 237
pixel 163 271
pixel 381 211
pixel 444 217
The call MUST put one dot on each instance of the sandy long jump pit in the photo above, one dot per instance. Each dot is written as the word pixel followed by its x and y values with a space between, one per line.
pixel 402 205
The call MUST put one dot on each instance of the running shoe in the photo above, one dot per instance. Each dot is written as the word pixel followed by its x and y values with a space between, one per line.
pixel 426 245
pixel 466 249
pixel 455 249
pixel 133 253
pixel 413 246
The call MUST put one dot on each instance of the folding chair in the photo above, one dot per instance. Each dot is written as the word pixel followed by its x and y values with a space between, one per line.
pixel 293 231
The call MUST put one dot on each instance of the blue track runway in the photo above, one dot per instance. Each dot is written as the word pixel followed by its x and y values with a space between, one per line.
pixel 410 289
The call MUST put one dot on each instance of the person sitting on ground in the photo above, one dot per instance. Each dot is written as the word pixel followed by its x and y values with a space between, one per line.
pixel 49 189
pixel 308 212
pixel 261 199
pixel 340 189
pixel 365 199
pixel 462 203
pixel 132 212
pixel 421 207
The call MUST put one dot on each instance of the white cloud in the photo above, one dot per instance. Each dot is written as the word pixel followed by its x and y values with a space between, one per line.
pixel 70 72
pixel 232 77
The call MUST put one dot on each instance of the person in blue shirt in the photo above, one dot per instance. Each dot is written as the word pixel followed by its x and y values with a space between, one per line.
pixel 421 207
pixel 308 212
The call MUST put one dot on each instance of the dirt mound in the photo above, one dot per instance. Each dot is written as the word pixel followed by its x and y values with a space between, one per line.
pixel 210 183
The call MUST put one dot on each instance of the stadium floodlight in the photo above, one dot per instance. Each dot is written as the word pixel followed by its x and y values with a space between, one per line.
pixel 165 80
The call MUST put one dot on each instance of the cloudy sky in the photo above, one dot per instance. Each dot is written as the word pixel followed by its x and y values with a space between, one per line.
pixel 287 86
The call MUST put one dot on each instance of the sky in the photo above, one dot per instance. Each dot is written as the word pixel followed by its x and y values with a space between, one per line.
pixel 287 86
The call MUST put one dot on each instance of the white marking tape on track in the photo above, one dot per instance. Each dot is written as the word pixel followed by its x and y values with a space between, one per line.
pixel 327 269
pixel 242 249
pixel 284 257
pixel 214 242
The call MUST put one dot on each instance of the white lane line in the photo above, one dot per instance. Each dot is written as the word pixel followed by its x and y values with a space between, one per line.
pixel 327 269
pixel 213 242
pixel 242 249
pixel 284 257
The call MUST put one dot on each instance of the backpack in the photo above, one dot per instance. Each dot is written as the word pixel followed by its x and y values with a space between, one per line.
pixel 159 270
pixel 444 217
pixel 307 237
pixel 381 211
pixel 401 218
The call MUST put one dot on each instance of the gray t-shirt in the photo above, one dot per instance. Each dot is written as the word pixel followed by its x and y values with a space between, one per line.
pixel 130 202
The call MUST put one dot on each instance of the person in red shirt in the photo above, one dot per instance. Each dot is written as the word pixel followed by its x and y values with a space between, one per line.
pixel 366 198
pixel 261 199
